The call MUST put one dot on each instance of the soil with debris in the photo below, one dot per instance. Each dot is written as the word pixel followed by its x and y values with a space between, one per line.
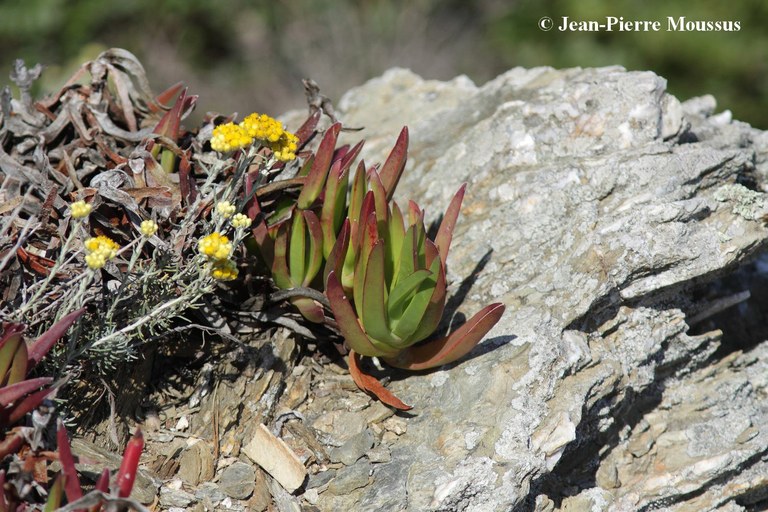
pixel 200 413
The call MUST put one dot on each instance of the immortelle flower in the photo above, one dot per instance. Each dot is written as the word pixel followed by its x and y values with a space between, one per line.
pixel 285 147
pixel 224 270
pixel 216 246
pixel 262 127
pixel 99 250
pixel 80 209
pixel 241 221
pixel 148 228
pixel 229 137
pixel 225 209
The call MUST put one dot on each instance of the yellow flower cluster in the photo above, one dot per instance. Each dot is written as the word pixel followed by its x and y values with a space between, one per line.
pixel 224 270
pixel 80 209
pixel 285 147
pixel 241 221
pixel 229 136
pixel 225 209
pixel 263 127
pixel 148 228
pixel 99 250
pixel 216 246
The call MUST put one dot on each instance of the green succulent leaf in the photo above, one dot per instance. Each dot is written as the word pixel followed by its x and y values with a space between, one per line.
pixel 448 224
pixel 306 167
pixel 395 163
pixel 400 295
pixel 413 315
pixel 369 236
pixel 366 211
pixel 374 296
pixel 451 348
pixel 319 171
pixel 415 214
pixel 334 203
pixel 379 199
pixel 349 324
pixel 335 261
pixel 351 155
pixel 357 193
pixel 396 232
pixel 406 263
pixel 434 312
pixel 314 250
pixel 280 272
pixel 297 250
pixel 309 309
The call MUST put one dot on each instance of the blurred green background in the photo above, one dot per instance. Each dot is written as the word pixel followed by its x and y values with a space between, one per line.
pixel 245 56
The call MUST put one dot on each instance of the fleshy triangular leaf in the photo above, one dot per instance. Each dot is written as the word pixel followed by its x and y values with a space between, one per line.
pixel 72 481
pixel 395 164
pixel 357 194
pixel 310 309
pixel 317 175
pixel 369 236
pixel 334 203
pixel 434 312
pixel 18 370
pixel 314 250
pixel 42 345
pixel 307 130
pixel 20 409
pixel 55 493
pixel 8 350
pixel 280 272
pixel 371 385
pixel 297 250
pixel 372 310
pixel 335 261
pixel 445 232
pixel 406 264
pixel 12 393
pixel 412 317
pixel 454 346
pixel 348 323
pixel 126 475
pixel 398 298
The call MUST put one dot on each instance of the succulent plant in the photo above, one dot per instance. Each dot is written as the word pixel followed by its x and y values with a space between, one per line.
pixel 68 483
pixel 383 277
pixel 19 396
pixel 398 289
pixel 298 236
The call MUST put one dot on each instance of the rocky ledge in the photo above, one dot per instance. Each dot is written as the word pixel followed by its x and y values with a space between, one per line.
pixel 623 229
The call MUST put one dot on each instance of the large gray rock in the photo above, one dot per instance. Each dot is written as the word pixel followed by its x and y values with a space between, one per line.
pixel 598 208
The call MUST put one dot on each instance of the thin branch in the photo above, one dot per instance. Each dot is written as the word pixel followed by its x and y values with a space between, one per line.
pixel 300 292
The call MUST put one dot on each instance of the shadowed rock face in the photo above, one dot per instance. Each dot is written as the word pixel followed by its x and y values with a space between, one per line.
pixel 613 221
